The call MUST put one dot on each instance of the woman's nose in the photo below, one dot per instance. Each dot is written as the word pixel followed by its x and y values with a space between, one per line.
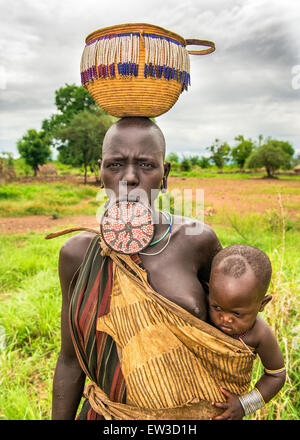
pixel 130 176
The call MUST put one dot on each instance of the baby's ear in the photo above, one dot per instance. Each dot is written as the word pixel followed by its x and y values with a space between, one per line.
pixel 264 302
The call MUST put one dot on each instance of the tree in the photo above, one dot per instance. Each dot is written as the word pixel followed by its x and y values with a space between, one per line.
pixel 185 164
pixel 204 162
pixel 194 160
pixel 61 127
pixel 84 136
pixel 34 147
pixel 242 150
pixel 69 100
pixel 260 140
pixel 286 148
pixel 219 153
pixel 172 158
pixel 271 156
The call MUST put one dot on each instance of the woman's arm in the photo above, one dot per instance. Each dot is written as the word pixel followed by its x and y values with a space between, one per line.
pixel 69 378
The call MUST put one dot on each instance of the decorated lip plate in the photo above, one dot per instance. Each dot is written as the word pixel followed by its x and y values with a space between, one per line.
pixel 127 227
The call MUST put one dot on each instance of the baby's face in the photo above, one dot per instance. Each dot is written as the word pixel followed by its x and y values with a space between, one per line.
pixel 233 302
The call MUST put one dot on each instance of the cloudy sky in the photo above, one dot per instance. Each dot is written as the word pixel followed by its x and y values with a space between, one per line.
pixel 250 85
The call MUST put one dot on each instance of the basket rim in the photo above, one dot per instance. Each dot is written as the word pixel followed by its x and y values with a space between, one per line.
pixel 158 28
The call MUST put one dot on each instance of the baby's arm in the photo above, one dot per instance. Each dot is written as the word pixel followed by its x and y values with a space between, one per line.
pixel 270 382
pixel 272 359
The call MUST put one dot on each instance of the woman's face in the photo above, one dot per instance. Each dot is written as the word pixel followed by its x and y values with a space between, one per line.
pixel 133 163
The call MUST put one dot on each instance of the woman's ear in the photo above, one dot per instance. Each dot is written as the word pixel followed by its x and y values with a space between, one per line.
pixel 164 185
pixel 99 164
pixel 264 302
pixel 167 168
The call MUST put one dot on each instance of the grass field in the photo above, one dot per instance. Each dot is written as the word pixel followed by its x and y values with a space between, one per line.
pixel 30 296
pixel 56 199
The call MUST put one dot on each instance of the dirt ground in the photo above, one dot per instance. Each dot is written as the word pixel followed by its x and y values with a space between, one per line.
pixel 220 195
pixel 18 225
pixel 243 195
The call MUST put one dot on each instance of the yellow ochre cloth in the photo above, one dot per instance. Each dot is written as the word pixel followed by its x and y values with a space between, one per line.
pixel 173 363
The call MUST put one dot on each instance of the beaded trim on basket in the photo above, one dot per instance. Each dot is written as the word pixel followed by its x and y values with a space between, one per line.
pixel 164 58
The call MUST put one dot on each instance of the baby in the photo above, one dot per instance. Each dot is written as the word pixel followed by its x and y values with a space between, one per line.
pixel 239 280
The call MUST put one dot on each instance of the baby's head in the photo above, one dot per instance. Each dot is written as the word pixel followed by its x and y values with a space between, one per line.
pixel 239 279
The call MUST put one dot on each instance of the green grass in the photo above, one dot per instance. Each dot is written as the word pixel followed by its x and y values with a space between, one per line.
pixel 30 312
pixel 232 174
pixel 21 169
pixel 56 198
pixel 30 302
pixel 64 198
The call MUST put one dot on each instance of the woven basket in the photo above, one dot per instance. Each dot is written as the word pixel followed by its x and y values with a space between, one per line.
pixel 137 69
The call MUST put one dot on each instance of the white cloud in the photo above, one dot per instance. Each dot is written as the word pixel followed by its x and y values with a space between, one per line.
pixel 244 87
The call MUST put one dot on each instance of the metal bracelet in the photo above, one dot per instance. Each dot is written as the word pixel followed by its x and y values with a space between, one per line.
pixel 251 401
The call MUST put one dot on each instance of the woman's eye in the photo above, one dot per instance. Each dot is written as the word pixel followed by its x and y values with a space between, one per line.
pixel 146 165
pixel 114 165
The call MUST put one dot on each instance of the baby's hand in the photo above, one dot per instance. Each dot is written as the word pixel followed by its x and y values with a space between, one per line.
pixel 232 406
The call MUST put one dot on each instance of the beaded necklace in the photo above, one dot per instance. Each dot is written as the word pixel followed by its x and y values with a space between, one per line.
pixel 241 335
pixel 161 238
pixel 167 231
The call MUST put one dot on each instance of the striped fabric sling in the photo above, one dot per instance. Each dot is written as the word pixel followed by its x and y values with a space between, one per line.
pixel 146 357
pixel 95 350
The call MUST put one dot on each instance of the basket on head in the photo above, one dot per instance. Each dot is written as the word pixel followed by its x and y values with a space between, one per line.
pixel 137 69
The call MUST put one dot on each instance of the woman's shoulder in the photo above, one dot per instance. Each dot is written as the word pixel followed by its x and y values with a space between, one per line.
pixel 72 254
pixel 75 247
pixel 198 235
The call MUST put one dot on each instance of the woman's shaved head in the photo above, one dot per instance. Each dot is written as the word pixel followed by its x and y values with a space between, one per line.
pixel 134 123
